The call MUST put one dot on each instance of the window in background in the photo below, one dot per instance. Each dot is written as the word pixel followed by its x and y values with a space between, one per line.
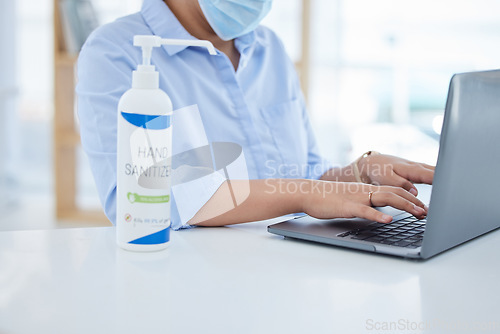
pixel 8 105
pixel 381 70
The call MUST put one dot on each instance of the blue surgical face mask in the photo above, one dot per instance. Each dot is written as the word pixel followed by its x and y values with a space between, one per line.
pixel 233 18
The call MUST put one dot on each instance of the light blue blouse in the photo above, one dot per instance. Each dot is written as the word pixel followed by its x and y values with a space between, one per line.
pixel 259 107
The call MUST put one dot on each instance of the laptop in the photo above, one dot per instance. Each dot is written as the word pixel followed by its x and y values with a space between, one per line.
pixel 465 195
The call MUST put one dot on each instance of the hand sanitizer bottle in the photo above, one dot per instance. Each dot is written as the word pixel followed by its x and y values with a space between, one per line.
pixel 144 154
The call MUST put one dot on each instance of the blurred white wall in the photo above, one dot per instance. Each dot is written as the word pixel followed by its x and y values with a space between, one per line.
pixel 8 103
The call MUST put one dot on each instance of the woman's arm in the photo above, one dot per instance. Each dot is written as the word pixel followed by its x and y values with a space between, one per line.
pixel 321 199
pixel 340 174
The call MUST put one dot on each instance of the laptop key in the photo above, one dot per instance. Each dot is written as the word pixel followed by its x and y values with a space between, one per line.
pixel 392 227
pixel 409 219
pixel 376 225
pixel 375 239
pixel 363 235
pixel 401 243
pixel 392 239
pixel 412 240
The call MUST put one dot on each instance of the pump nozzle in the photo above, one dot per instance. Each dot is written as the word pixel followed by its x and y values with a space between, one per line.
pixel 146 76
pixel 205 44
pixel 148 42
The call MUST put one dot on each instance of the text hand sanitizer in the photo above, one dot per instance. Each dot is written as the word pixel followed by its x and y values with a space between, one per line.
pixel 144 154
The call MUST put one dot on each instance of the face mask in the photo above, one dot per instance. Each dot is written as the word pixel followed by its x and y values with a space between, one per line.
pixel 233 18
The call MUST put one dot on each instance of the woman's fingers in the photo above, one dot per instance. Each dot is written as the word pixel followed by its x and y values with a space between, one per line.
pixel 398 191
pixel 366 212
pixel 394 171
pixel 407 203
pixel 417 173
pixel 406 195
pixel 398 181
pixel 428 166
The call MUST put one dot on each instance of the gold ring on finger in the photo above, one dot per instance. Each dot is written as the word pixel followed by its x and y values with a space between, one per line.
pixel 370 194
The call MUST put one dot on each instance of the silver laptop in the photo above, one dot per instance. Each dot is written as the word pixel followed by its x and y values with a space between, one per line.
pixel 465 194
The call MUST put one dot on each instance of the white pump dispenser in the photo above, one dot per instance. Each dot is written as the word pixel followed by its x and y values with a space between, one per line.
pixel 144 153
pixel 146 77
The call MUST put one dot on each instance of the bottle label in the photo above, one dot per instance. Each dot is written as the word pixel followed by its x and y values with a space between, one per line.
pixel 144 165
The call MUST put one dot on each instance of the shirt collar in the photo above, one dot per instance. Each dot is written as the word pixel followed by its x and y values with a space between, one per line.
pixel 163 22
pixel 245 42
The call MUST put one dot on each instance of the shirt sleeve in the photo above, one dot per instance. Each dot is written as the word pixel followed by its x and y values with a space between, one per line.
pixel 104 73
pixel 317 165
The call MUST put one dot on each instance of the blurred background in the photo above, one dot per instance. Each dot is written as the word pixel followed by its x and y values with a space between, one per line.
pixel 378 74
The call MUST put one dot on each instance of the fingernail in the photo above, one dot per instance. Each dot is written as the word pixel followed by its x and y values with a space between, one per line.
pixel 387 218
pixel 413 191
pixel 426 208
pixel 418 208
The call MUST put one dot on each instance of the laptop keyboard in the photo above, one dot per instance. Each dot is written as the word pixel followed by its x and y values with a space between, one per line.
pixel 407 232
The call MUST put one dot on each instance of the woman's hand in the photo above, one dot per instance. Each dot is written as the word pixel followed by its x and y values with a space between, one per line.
pixel 268 198
pixel 326 199
pixel 382 169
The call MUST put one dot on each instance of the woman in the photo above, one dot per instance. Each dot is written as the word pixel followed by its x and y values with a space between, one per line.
pixel 248 94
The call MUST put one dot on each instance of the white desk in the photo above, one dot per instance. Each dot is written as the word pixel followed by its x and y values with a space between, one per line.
pixel 238 279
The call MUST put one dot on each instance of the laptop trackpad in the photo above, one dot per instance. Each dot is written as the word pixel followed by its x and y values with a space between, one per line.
pixel 324 227
pixel 332 227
